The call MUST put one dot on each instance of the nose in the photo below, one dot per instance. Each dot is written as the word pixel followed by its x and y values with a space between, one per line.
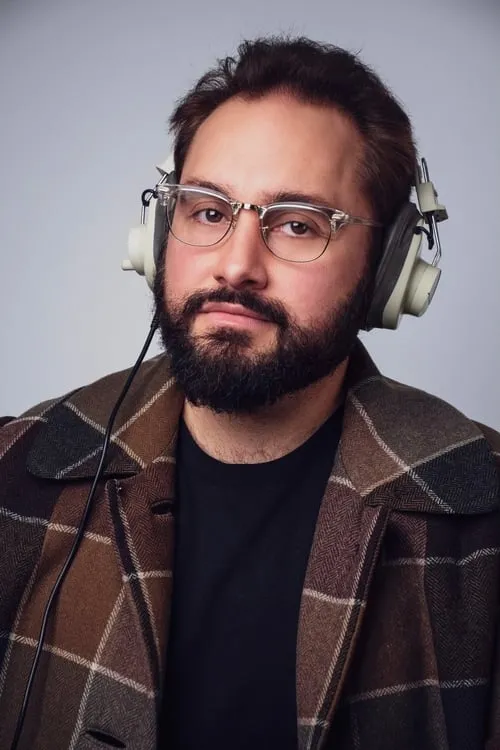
pixel 242 257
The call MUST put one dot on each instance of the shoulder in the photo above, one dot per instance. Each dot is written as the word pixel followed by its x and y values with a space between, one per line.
pixel 493 439
pixel 420 446
pixel 21 429
pixel 88 404
pixel 419 414
pixel 408 414
pixel 431 419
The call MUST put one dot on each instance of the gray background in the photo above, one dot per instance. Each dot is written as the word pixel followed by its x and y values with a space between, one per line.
pixel 85 92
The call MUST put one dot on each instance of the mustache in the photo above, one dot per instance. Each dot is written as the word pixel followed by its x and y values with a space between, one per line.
pixel 271 310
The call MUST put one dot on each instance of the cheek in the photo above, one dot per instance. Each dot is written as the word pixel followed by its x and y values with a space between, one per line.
pixel 312 293
pixel 183 274
pixel 173 274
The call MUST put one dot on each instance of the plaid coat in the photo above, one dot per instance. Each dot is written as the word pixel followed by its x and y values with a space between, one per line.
pixel 397 632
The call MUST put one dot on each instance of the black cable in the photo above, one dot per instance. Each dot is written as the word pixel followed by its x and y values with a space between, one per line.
pixel 428 233
pixel 146 196
pixel 79 535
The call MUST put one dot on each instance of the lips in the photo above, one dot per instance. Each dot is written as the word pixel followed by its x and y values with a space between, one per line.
pixel 231 309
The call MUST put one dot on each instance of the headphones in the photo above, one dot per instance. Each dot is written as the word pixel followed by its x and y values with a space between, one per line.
pixel 404 283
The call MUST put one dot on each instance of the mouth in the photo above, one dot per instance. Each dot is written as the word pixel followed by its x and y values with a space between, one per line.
pixel 229 309
pixel 232 315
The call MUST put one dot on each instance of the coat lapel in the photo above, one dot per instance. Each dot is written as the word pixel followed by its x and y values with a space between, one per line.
pixel 142 511
pixel 344 553
pixel 135 510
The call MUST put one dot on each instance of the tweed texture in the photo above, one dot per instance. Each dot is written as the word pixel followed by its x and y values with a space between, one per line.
pixel 397 644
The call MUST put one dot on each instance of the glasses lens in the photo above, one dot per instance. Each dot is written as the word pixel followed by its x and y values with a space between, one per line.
pixel 197 217
pixel 296 233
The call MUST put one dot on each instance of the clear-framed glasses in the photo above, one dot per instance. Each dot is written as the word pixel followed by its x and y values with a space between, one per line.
pixel 297 232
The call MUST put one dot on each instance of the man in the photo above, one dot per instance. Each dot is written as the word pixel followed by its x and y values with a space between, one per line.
pixel 333 580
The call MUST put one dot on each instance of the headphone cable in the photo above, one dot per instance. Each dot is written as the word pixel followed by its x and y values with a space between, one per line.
pixel 79 534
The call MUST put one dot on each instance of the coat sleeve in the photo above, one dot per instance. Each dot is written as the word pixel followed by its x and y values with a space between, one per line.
pixel 493 742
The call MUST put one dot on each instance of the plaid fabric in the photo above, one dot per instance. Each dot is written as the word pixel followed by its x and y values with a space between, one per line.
pixel 397 632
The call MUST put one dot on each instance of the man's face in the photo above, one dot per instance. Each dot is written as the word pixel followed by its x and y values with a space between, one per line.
pixel 243 327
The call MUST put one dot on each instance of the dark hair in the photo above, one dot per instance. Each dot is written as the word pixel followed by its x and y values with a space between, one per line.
pixel 319 74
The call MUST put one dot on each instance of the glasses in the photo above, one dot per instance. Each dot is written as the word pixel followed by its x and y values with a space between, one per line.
pixel 297 232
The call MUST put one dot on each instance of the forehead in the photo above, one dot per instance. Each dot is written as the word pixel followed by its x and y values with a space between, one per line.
pixel 276 143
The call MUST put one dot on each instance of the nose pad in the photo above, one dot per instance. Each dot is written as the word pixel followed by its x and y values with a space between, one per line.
pixel 252 224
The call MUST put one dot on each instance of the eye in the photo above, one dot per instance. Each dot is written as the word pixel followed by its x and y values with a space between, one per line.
pixel 297 224
pixel 297 229
pixel 208 216
pixel 204 209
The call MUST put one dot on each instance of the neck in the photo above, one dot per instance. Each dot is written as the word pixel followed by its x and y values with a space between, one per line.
pixel 270 433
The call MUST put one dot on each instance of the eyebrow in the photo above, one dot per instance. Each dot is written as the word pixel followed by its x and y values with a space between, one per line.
pixel 285 196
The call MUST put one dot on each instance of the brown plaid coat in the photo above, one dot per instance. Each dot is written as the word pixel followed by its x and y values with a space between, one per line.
pixel 397 634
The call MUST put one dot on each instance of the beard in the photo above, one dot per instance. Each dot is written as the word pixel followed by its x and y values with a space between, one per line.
pixel 219 370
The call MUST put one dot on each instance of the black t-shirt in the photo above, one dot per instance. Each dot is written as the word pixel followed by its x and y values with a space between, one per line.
pixel 243 536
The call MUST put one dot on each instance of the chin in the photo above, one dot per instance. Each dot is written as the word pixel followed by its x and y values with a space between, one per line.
pixel 235 335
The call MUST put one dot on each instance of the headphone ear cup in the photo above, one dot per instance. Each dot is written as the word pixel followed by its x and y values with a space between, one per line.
pixel 404 283
pixel 145 242
pixel 142 242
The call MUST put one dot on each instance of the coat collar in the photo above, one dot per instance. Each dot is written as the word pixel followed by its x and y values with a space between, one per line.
pixel 68 444
pixel 400 446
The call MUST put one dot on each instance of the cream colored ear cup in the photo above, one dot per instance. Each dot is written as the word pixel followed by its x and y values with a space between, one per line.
pixel 414 288
pixel 144 240
pixel 141 247
pixel 421 287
